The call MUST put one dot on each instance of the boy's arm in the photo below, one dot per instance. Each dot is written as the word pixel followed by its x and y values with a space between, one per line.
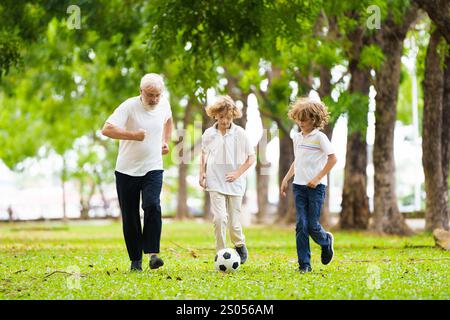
pixel 232 176
pixel 287 177
pixel 328 166
pixel 290 173
pixel 202 176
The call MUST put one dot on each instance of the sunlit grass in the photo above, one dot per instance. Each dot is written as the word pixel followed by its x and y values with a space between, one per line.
pixel 83 261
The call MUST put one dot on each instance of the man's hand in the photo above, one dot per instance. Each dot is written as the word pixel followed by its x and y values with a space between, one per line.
pixel 202 180
pixel 165 148
pixel 313 183
pixel 140 135
pixel 283 188
pixel 232 176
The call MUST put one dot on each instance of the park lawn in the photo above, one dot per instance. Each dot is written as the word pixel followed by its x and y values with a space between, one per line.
pixel 89 261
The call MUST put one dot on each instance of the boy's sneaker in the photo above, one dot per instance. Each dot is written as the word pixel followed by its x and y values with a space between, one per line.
pixel 328 251
pixel 155 262
pixel 305 269
pixel 243 253
pixel 136 265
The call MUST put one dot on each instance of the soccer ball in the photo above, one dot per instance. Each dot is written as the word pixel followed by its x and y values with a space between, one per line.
pixel 227 260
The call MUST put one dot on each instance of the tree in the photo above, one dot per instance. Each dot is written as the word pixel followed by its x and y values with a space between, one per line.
pixel 438 10
pixel 387 217
pixel 355 203
pixel 436 135
pixel 435 142
pixel 217 31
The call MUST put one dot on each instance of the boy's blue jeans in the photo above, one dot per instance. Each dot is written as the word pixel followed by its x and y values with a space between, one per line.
pixel 308 203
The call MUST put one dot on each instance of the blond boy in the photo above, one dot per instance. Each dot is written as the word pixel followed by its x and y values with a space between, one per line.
pixel 314 158
pixel 226 156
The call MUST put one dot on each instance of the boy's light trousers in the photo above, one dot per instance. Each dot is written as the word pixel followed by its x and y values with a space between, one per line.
pixel 226 210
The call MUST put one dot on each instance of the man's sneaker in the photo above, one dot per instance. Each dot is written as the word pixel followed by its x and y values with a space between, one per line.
pixel 243 253
pixel 328 251
pixel 136 265
pixel 305 269
pixel 155 262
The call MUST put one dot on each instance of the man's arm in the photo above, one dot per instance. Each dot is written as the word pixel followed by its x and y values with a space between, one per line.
pixel 111 131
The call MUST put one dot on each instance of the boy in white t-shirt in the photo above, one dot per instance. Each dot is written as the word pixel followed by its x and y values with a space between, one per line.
pixel 226 155
pixel 314 159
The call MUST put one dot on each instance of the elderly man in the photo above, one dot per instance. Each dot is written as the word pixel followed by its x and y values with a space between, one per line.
pixel 143 124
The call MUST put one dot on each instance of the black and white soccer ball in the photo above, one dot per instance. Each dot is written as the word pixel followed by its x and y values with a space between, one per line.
pixel 227 260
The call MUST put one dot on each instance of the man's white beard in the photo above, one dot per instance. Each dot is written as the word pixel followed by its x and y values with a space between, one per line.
pixel 147 106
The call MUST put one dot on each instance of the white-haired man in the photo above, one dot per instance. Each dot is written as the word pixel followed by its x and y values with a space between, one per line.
pixel 143 124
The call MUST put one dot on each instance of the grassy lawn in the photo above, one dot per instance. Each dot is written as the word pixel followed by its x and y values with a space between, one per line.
pixel 89 261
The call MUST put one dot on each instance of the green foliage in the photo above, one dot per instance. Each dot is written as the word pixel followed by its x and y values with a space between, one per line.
pixel 404 113
pixel 371 57
pixel 355 105
pixel 365 266
pixel 9 48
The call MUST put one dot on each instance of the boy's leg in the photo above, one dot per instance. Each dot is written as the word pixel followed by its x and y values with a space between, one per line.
pixel 301 227
pixel 128 192
pixel 234 205
pixel 151 192
pixel 316 197
pixel 219 212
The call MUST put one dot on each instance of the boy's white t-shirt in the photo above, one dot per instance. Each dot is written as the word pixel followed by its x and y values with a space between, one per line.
pixel 136 158
pixel 224 154
pixel 311 154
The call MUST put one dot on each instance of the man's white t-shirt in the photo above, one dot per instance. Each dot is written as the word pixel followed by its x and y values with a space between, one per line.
pixel 311 155
pixel 224 154
pixel 136 158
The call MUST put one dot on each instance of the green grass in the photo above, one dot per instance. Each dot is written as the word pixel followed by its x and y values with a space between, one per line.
pixel 76 261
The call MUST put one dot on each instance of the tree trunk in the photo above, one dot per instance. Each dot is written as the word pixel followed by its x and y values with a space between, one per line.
pixel 286 207
pixel 206 123
pixel 325 91
pixel 182 207
pixel 102 193
pixel 436 214
pixel 63 187
pixel 183 167
pixel 355 203
pixel 85 202
pixel 10 214
pixel 439 12
pixel 325 211
pixel 262 175
pixel 446 131
pixel 387 217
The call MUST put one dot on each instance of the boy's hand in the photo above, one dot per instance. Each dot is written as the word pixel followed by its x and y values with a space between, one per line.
pixel 232 176
pixel 202 181
pixel 313 183
pixel 165 148
pixel 283 188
